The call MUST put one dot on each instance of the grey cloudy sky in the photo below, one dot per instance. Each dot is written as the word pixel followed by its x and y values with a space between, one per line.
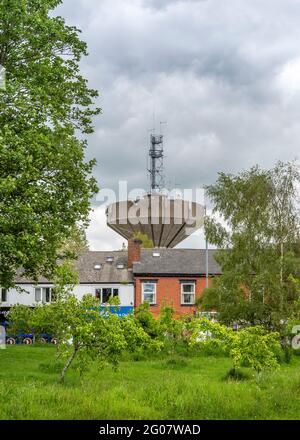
pixel 224 74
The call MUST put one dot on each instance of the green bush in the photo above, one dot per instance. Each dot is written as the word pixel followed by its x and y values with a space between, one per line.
pixel 236 374
pixel 252 347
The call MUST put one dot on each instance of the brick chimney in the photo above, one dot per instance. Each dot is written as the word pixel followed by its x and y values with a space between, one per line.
pixel 134 252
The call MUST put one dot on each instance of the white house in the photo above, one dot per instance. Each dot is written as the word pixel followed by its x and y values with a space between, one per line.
pixel 101 274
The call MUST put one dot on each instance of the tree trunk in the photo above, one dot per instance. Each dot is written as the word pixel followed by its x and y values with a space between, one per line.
pixel 67 365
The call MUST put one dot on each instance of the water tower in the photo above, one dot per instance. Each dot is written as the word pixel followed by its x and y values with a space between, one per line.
pixel 166 221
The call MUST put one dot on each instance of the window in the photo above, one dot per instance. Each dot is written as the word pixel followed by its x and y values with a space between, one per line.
pixel 149 293
pixel 97 266
pixel 3 295
pixel 188 293
pixel 38 294
pixel 98 293
pixel 44 294
pixel 105 293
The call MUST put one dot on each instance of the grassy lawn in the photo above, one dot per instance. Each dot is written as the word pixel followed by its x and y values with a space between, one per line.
pixel 194 388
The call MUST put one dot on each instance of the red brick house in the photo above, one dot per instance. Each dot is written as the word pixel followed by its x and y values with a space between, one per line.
pixel 172 276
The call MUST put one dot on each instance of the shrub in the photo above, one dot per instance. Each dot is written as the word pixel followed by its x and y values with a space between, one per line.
pixel 236 374
pixel 176 363
pixel 252 346
pixel 146 320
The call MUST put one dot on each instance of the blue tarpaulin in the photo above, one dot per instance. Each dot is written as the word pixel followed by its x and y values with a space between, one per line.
pixel 121 311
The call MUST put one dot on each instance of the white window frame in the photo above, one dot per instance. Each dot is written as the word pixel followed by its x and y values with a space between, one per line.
pixel 183 303
pixel 36 289
pixel 42 295
pixel 143 292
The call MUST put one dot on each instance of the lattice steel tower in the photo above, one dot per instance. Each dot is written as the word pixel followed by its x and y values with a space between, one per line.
pixel 156 169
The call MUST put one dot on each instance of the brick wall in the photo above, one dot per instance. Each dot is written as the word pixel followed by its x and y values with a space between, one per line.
pixel 168 290
pixel 134 252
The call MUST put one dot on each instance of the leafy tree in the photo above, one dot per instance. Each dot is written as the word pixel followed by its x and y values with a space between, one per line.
pixel 170 329
pixel 259 240
pixel 65 278
pixel 20 319
pixel 43 321
pixel 75 243
pixel 85 334
pixel 35 320
pixel 46 110
pixel 147 243
pixel 253 346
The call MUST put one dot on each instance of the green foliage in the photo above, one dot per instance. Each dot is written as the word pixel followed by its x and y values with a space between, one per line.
pixel 83 332
pixel 255 348
pixel 235 374
pixel 147 243
pixel 65 277
pixel 170 329
pixel 31 320
pixel 114 301
pixel 259 242
pixel 75 243
pixel 20 319
pixel 45 112
pixel 146 320
pixel 210 299
pixel 252 346
pixel 151 389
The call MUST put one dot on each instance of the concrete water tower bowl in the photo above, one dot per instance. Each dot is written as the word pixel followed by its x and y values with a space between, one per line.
pixel 165 221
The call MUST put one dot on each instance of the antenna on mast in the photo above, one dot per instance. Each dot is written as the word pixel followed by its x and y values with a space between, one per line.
pixel 156 153
pixel 156 170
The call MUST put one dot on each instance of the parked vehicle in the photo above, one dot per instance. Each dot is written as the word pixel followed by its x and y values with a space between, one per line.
pixel 27 338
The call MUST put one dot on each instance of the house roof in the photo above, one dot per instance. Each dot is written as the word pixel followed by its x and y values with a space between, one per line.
pixel 176 262
pixel 109 272
pixel 169 262
pixel 88 274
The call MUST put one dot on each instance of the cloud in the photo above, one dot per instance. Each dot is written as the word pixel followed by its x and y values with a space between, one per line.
pixel 289 78
pixel 99 236
pixel 223 74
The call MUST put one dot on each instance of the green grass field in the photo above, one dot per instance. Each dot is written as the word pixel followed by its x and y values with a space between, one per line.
pixel 194 388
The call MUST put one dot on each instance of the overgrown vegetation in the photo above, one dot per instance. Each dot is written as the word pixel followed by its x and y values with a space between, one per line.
pixel 85 332
pixel 156 387
pixel 260 247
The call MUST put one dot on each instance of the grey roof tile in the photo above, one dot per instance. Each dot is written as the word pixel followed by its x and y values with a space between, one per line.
pixel 170 262
pixel 176 262
pixel 109 272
